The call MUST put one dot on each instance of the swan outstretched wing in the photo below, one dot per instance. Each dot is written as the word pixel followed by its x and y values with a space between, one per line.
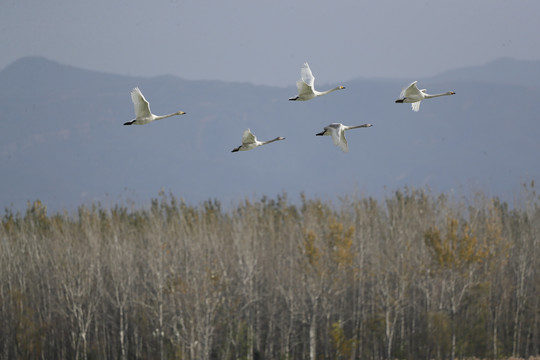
pixel 248 137
pixel 303 88
pixel 416 106
pixel 142 107
pixel 307 75
pixel 342 143
pixel 410 91
pixel 335 136
pixel 337 132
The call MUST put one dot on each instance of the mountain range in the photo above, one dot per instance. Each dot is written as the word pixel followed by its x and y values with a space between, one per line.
pixel 62 140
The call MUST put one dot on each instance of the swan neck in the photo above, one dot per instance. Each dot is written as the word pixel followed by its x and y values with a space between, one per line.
pixel 166 116
pixel 428 96
pixel 329 91
pixel 357 126
pixel 271 141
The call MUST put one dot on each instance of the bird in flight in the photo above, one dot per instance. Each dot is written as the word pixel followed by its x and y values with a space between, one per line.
pixel 143 115
pixel 337 132
pixel 411 94
pixel 305 86
pixel 249 141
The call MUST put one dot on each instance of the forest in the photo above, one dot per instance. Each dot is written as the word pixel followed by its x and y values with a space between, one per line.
pixel 412 275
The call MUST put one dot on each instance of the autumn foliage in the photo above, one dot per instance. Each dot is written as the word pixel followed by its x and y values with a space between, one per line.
pixel 414 275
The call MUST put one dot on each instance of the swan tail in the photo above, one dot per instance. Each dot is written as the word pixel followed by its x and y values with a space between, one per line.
pixel 293 98
pixel 399 101
pixel 129 122
pixel 320 134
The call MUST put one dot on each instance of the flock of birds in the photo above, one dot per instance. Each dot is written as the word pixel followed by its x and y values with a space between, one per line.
pixel 306 91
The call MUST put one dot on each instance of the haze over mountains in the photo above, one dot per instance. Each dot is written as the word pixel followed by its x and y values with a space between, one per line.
pixel 62 140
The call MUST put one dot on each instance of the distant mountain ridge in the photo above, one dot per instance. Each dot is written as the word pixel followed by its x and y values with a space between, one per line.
pixel 500 71
pixel 62 139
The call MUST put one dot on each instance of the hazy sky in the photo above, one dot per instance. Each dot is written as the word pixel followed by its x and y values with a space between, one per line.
pixel 265 42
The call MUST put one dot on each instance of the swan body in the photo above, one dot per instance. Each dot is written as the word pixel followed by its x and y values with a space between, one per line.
pixel 411 94
pixel 143 115
pixel 305 86
pixel 249 141
pixel 337 131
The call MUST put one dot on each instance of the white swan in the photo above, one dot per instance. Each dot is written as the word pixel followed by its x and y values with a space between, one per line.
pixel 306 91
pixel 337 131
pixel 249 141
pixel 142 110
pixel 412 95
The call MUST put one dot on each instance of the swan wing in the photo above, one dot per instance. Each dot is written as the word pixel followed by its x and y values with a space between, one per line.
pixel 334 134
pixel 248 137
pixel 338 135
pixel 304 89
pixel 342 140
pixel 416 106
pixel 142 107
pixel 410 91
pixel 307 75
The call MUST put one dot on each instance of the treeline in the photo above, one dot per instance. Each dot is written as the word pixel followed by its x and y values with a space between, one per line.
pixel 412 276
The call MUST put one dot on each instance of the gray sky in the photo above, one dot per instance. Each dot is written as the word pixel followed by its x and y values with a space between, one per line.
pixel 265 42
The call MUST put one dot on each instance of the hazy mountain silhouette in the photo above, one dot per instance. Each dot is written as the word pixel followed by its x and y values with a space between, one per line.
pixel 62 140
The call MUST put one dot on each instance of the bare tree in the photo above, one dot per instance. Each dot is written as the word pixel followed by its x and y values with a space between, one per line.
pixel 413 275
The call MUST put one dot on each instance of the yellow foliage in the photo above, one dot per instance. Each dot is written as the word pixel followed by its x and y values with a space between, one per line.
pixel 310 249
pixel 342 345
pixel 456 247
pixel 36 212
pixel 340 243
pixel 335 249
pixel 29 330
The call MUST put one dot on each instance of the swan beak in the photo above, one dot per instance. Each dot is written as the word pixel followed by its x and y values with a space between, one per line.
pixel 453 93
pixel 342 87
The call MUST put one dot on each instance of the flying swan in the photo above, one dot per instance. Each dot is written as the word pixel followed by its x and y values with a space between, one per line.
pixel 142 110
pixel 337 131
pixel 412 95
pixel 249 141
pixel 306 91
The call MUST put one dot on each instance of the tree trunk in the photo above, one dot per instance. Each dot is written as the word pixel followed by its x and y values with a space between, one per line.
pixel 389 334
pixel 519 298
pixel 313 338
pixel 453 327
pixel 122 335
